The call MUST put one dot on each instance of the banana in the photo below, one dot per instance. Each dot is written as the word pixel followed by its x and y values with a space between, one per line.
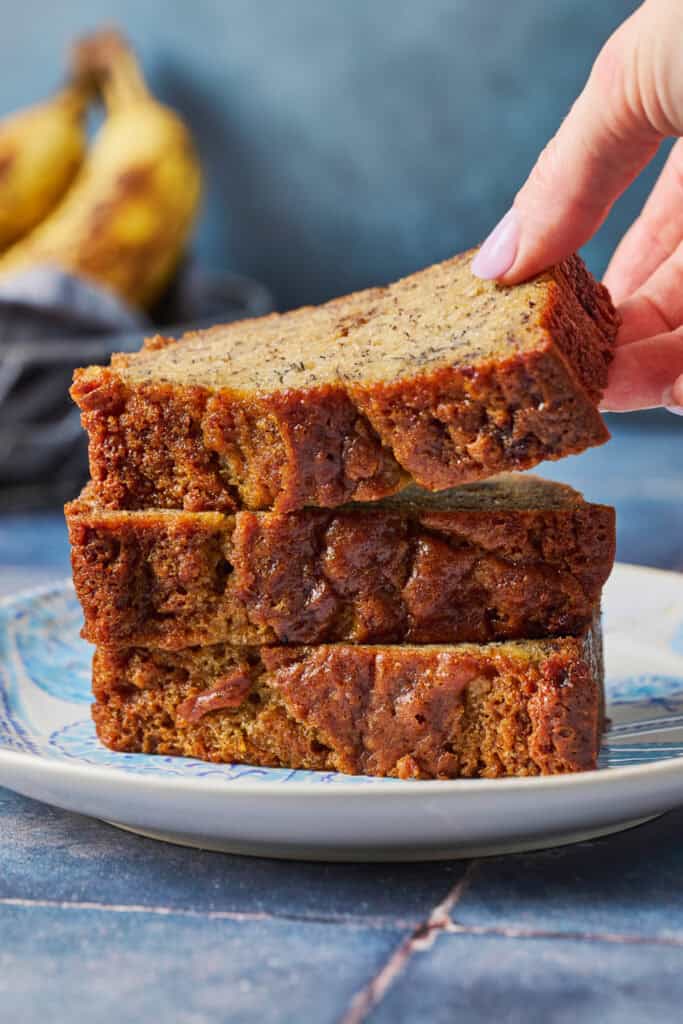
pixel 125 220
pixel 41 149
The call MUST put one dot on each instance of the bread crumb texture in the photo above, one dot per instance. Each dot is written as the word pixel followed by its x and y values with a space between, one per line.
pixel 515 708
pixel 513 557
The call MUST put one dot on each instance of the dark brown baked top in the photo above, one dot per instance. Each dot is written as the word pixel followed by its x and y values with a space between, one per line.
pixel 439 378
pixel 513 557
pixel 517 708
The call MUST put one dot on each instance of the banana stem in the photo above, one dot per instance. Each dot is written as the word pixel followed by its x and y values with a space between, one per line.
pixel 106 59
pixel 124 84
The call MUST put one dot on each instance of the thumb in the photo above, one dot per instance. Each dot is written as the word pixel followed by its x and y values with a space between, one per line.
pixel 602 145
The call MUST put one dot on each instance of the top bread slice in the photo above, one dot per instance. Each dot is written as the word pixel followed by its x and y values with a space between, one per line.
pixel 440 378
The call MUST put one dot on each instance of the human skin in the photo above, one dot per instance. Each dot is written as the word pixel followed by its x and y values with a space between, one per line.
pixel 632 102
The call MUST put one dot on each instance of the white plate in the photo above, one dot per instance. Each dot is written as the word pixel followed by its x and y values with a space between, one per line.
pixel 48 750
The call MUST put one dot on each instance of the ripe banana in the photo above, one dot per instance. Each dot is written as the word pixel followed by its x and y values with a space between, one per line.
pixel 41 149
pixel 126 218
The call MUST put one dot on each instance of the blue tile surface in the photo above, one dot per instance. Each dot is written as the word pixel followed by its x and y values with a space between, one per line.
pixel 122 968
pixel 39 539
pixel 629 884
pixel 46 853
pixel 480 979
pixel 640 472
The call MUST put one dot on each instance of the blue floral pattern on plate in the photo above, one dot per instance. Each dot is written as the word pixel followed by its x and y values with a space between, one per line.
pixel 45 687
pixel 45 632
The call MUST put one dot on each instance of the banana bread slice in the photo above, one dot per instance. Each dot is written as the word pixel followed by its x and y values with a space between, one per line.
pixel 514 708
pixel 440 378
pixel 511 557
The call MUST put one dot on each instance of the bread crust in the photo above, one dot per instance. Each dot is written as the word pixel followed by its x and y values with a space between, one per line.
pixel 528 395
pixel 517 558
pixel 410 712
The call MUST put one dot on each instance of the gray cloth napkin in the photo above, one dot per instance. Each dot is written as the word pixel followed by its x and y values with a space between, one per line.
pixel 45 314
pixel 51 322
pixel 46 303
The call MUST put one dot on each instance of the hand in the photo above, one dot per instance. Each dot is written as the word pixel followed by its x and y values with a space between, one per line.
pixel 632 101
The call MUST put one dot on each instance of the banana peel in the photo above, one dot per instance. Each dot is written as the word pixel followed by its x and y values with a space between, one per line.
pixel 41 150
pixel 125 221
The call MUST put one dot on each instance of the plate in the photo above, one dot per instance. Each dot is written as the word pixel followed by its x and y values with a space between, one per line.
pixel 49 751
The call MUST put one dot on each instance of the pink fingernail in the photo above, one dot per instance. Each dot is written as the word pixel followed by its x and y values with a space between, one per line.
pixel 498 252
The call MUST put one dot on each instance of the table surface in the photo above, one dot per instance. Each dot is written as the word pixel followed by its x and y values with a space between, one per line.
pixel 102 925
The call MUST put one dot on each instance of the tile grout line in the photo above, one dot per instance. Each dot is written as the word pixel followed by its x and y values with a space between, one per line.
pixel 421 938
pixel 440 922
pixel 377 922
pixel 131 908
pixel 520 932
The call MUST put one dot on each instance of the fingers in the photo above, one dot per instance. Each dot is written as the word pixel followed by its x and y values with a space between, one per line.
pixel 657 306
pixel 645 374
pixel 648 366
pixel 640 319
pixel 632 101
pixel 654 236
pixel 605 141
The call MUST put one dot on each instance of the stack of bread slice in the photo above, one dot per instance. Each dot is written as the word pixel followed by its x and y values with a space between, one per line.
pixel 302 544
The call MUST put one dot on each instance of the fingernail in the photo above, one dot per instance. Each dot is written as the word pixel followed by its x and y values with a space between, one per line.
pixel 677 410
pixel 498 252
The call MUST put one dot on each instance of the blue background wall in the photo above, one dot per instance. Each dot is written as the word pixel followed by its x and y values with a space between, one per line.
pixel 346 142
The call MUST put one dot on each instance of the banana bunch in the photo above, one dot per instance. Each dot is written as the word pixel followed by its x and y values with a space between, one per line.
pixel 127 214
pixel 41 149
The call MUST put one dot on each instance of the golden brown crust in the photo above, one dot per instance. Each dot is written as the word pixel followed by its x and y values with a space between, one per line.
pixel 527 393
pixel 421 712
pixel 515 558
